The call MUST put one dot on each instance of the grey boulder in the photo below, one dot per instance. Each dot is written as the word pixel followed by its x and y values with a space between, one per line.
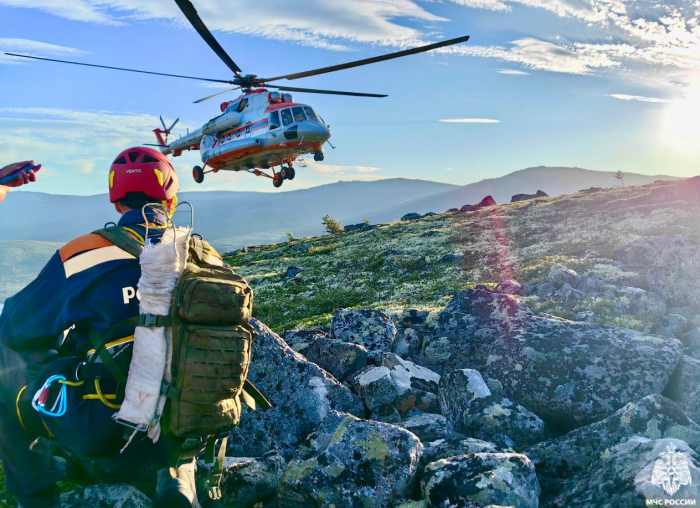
pixel 635 472
pixel 245 481
pixel 375 386
pixel 444 448
pixel 349 462
pixel 575 453
pixel 481 479
pixel 428 427
pixel 568 373
pixel 119 495
pixel 372 329
pixel 337 357
pixel 301 392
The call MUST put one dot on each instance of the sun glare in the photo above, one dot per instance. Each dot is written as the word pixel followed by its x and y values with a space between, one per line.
pixel 681 122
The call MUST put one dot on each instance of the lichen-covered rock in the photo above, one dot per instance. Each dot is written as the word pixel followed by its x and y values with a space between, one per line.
pixel 119 495
pixel 625 477
pixel 416 386
pixel 301 392
pixel 646 303
pixel 428 427
pixel 386 413
pixel 375 386
pixel 653 416
pixel 510 287
pixel 407 375
pixel 501 421
pixel 411 216
pixel 372 329
pixel 337 357
pixel 676 323
pixel 646 251
pixel 349 462
pixel 560 275
pixel 568 373
pixel 408 344
pixel 444 448
pixel 473 410
pixel 481 479
pixel 245 481
pixel 687 391
pixel 457 390
pixel 292 272
pixel 300 340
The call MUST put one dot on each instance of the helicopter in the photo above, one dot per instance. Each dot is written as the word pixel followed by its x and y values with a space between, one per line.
pixel 261 129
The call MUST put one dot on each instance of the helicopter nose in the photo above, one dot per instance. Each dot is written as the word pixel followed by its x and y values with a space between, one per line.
pixel 314 132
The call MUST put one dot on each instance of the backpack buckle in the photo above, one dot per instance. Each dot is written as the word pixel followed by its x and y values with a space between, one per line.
pixel 152 320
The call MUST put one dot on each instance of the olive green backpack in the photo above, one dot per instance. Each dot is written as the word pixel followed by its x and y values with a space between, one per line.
pixel 212 343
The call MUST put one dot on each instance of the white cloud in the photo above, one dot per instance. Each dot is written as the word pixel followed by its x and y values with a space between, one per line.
pixel 639 98
pixel 343 170
pixel 513 72
pixel 317 22
pixel 33 48
pixel 469 120
pixel 543 55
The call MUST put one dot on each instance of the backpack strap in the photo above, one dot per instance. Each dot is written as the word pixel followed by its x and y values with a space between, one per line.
pixel 125 239
pixel 252 397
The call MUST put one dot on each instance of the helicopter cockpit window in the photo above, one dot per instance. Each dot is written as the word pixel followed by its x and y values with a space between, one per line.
pixel 286 116
pixel 320 119
pixel 242 105
pixel 298 114
pixel 310 113
pixel 274 120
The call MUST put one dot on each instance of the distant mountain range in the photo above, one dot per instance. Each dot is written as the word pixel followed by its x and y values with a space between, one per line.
pixel 33 225
pixel 227 219
pixel 552 180
pixel 231 219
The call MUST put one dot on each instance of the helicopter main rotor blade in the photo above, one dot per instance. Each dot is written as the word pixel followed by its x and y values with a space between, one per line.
pixel 191 14
pixel 218 93
pixel 330 92
pixel 357 63
pixel 122 69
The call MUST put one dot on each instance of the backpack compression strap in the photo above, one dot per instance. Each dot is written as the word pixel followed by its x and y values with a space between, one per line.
pixel 120 237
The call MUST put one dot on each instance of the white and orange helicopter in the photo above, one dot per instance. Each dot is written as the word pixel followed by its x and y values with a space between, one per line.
pixel 261 129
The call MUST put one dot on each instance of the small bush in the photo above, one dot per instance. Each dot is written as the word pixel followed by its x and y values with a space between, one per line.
pixel 290 235
pixel 333 227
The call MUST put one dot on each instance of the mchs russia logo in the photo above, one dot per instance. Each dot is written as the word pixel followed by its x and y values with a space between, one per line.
pixel 671 472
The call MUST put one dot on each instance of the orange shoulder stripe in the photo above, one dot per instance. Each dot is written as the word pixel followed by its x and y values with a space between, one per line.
pixel 82 244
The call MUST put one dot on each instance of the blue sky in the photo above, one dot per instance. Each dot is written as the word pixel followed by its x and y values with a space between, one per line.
pixel 607 85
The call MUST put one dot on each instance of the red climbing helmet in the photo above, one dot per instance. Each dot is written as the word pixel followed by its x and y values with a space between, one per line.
pixel 141 169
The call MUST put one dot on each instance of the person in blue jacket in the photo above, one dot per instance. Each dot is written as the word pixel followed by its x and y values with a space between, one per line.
pixel 90 284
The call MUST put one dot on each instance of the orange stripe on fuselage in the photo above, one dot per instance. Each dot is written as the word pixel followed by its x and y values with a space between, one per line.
pixel 82 244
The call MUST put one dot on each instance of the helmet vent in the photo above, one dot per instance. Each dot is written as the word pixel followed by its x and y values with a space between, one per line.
pixel 148 158
pixel 133 156
pixel 120 160
pixel 169 184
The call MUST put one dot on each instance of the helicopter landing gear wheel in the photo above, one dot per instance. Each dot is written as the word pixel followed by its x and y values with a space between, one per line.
pixel 198 174
pixel 284 172
pixel 318 156
pixel 277 180
pixel 291 173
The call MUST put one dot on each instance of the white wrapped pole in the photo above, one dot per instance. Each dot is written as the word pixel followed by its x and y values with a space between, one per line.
pixel 152 351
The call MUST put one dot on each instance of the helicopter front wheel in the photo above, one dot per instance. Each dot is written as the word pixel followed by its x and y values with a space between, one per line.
pixel 277 180
pixel 291 173
pixel 198 174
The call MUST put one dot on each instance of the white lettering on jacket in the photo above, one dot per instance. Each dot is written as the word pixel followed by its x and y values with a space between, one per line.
pixel 128 293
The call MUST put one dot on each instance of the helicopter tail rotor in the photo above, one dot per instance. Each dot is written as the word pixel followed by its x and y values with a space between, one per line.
pixel 162 134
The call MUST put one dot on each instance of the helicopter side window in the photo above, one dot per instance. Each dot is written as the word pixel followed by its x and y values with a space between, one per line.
pixel 310 113
pixel 242 105
pixel 298 114
pixel 274 120
pixel 286 116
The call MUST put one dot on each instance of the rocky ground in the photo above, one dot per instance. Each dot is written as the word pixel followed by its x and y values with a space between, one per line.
pixel 540 353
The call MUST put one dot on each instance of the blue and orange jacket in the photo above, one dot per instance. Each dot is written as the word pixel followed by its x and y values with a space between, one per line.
pixel 88 283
